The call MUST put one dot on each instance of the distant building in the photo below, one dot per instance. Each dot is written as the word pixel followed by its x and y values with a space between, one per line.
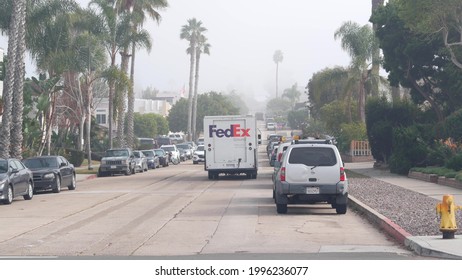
pixel 142 106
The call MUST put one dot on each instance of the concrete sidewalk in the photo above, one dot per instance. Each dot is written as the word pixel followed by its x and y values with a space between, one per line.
pixel 432 246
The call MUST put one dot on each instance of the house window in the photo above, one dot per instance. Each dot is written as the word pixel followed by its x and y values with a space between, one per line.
pixel 101 118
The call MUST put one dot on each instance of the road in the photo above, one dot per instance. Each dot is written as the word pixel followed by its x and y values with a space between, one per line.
pixel 176 212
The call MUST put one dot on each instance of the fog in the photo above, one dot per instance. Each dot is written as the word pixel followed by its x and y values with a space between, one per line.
pixel 244 34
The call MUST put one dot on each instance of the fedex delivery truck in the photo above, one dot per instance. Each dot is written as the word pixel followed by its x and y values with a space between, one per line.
pixel 231 145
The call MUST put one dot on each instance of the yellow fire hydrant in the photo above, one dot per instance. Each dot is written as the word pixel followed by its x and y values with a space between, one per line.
pixel 447 211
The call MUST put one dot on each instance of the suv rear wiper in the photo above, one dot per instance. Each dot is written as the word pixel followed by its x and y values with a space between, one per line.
pixel 314 167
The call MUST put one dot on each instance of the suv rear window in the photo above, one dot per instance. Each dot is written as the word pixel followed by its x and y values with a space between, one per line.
pixel 313 156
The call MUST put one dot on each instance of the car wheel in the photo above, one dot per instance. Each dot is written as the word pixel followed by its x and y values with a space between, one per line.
pixel 281 208
pixel 194 162
pixel 9 196
pixel 30 192
pixel 72 186
pixel 341 208
pixel 100 174
pixel 57 187
pixel 128 171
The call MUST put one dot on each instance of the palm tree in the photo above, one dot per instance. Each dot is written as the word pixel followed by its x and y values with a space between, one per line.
pixel 376 54
pixel 293 94
pixel 13 41
pixel 191 32
pixel 359 42
pixel 202 47
pixel 138 9
pixel 277 58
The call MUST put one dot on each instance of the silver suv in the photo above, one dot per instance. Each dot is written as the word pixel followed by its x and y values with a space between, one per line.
pixel 311 173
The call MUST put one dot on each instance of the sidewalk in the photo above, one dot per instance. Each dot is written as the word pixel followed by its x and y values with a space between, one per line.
pixel 433 246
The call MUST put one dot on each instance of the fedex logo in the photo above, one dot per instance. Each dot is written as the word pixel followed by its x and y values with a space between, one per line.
pixel 234 130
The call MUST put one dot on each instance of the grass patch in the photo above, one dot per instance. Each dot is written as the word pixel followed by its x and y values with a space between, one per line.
pixel 352 174
pixel 83 169
pixel 440 171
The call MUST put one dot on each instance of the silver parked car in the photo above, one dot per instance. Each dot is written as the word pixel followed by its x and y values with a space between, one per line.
pixel 141 161
pixel 311 173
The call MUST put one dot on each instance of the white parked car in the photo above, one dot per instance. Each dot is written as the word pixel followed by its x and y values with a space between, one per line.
pixel 199 154
pixel 173 152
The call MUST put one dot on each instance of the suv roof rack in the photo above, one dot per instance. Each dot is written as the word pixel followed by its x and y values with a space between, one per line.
pixel 312 141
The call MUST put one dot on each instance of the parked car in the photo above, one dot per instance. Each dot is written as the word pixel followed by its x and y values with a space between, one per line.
pixel 199 154
pixel 152 159
pixel 188 149
pixel 273 155
pixel 200 141
pixel 174 154
pixel 141 162
pixel 163 157
pixel 51 173
pixel 183 155
pixel 117 161
pixel 15 180
pixel 311 173
pixel 175 138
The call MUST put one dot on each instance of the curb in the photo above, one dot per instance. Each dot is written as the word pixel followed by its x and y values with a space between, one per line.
pixel 413 243
pixel 398 233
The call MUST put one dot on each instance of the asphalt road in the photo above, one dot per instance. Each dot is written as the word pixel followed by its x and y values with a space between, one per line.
pixel 176 212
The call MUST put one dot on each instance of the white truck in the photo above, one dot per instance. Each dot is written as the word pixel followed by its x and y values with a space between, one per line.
pixel 231 145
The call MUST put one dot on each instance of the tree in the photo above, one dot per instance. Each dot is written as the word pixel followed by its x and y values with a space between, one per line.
pixel 202 47
pixel 436 16
pixel 375 71
pixel 293 94
pixel 359 42
pixel 138 11
pixel 149 93
pixel 277 58
pixel 278 107
pixel 191 32
pixel 10 136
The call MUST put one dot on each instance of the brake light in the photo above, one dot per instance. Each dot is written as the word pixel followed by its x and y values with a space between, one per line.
pixel 282 176
pixel 342 174
pixel 279 156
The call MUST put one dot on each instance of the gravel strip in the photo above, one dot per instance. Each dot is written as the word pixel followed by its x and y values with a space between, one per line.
pixel 412 211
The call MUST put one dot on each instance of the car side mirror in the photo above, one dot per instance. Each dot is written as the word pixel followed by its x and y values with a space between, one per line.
pixel 62 164
pixel 14 170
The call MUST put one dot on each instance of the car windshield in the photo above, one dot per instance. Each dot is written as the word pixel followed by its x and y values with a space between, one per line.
pixel 160 152
pixel 41 163
pixel 3 166
pixel 183 146
pixel 200 148
pixel 148 153
pixel 169 149
pixel 313 156
pixel 137 154
pixel 117 153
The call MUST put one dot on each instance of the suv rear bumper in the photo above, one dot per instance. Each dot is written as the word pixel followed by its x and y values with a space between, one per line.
pixel 286 193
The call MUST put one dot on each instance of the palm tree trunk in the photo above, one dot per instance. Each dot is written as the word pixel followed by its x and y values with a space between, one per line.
pixel 5 130
pixel 277 78
pixel 196 84
pixel 375 55
pixel 190 95
pixel 111 100
pixel 18 99
pixel 121 140
pixel 131 102
pixel 88 117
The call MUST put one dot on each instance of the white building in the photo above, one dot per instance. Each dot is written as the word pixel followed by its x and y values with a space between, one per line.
pixel 142 106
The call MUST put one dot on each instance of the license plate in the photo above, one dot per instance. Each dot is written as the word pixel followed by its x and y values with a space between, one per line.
pixel 113 167
pixel 312 190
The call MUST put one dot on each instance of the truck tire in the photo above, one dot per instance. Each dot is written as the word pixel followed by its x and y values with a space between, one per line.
pixel 281 208
pixel 341 208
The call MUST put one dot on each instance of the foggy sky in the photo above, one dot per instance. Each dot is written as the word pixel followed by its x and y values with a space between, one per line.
pixel 244 34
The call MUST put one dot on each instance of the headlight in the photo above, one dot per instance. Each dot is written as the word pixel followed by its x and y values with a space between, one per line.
pixel 49 176
pixel 124 161
pixel 103 162
pixel 2 183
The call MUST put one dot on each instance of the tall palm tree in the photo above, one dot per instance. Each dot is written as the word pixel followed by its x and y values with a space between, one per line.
pixel 277 58
pixel 191 32
pixel 359 42
pixel 5 130
pixel 376 54
pixel 202 47
pixel 18 101
pixel 138 11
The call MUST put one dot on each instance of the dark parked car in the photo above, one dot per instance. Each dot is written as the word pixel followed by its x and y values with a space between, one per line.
pixel 15 180
pixel 51 173
pixel 163 157
pixel 153 159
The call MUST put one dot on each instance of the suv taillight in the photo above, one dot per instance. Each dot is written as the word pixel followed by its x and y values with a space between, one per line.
pixel 342 174
pixel 282 176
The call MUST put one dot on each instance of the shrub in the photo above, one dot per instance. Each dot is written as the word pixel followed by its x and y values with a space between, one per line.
pixel 408 149
pixel 399 164
pixel 452 127
pixel 350 132
pixel 76 157
pixel 454 162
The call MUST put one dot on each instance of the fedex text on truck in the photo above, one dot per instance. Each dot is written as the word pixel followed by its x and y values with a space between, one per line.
pixel 234 130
